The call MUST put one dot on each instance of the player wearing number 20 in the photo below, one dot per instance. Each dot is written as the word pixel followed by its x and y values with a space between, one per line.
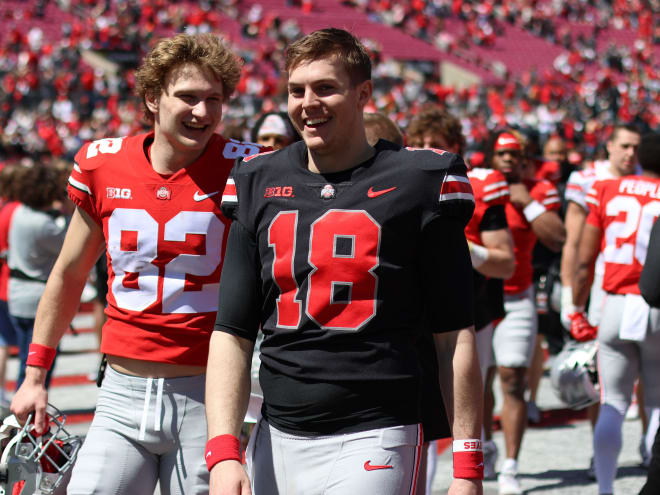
pixel 343 253
pixel 622 212
pixel 154 201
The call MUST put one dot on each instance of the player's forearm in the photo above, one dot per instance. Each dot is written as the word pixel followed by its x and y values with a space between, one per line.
pixel 58 305
pixel 567 263
pixel 574 222
pixel 499 264
pixel 581 283
pixel 460 382
pixel 549 229
pixel 227 383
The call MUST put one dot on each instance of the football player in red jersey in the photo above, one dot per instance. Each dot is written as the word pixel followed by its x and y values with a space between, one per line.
pixel 154 200
pixel 622 212
pixel 491 251
pixel 622 160
pixel 355 252
pixel 531 215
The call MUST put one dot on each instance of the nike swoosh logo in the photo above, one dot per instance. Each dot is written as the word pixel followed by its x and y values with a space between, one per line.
pixel 374 194
pixel 30 353
pixel 202 197
pixel 208 454
pixel 369 467
pixel 480 464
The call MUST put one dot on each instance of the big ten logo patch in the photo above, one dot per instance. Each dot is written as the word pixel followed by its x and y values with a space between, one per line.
pixel 279 192
pixel 118 193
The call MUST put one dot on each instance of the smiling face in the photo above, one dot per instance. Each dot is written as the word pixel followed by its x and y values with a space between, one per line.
pixel 326 108
pixel 188 110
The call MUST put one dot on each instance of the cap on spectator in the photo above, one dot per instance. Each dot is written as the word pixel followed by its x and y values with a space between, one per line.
pixel 274 124
pixel 507 141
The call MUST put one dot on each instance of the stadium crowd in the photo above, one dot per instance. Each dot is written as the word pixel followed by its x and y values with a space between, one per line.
pixel 42 78
pixel 535 129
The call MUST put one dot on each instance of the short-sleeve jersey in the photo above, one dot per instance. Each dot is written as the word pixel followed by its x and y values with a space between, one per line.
pixel 490 189
pixel 524 237
pixel 342 267
pixel 624 209
pixel 580 181
pixel 165 237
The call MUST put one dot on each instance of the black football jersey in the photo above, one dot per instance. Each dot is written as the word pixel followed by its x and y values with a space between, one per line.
pixel 342 272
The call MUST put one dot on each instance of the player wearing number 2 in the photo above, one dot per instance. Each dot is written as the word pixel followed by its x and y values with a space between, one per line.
pixel 154 201
pixel 621 214
pixel 342 252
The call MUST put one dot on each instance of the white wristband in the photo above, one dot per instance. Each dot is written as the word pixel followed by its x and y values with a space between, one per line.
pixel 567 299
pixel 467 445
pixel 478 254
pixel 533 210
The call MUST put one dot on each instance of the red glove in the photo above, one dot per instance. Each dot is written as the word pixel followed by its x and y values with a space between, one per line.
pixel 581 329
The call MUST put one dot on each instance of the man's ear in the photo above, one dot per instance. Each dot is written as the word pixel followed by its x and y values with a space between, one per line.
pixel 151 101
pixel 365 90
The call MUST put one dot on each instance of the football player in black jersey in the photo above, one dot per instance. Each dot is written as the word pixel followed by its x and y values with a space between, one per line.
pixel 342 253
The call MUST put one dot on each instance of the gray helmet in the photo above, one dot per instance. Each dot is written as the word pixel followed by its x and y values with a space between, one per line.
pixel 574 374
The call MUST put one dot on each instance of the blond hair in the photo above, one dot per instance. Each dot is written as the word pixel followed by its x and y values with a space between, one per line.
pixel 205 50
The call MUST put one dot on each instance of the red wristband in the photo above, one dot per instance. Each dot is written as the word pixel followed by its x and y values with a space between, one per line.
pixel 222 448
pixel 468 459
pixel 40 355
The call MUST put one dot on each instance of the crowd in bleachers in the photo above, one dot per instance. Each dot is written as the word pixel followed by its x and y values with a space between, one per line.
pixel 52 98
pixel 54 95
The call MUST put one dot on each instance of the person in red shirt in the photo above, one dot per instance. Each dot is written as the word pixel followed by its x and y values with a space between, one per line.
pixel 7 331
pixel 622 212
pixel 154 201
pixel 491 252
pixel 531 215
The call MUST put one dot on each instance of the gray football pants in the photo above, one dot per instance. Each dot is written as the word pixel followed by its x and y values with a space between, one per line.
pixel 141 434
pixel 620 362
pixel 383 461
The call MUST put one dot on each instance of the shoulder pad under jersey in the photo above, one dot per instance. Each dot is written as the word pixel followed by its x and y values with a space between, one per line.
pixel 95 153
pixel 489 186
pixel 430 158
pixel 240 178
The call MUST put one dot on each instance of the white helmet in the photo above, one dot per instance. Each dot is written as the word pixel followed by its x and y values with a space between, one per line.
pixel 574 374
pixel 37 464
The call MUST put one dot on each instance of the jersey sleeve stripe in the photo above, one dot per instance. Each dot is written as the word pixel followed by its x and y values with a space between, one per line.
pixel 456 187
pixel 592 200
pixel 229 195
pixel 496 185
pixel 79 185
pixel 551 201
pixel 576 196
pixel 495 195
pixel 458 195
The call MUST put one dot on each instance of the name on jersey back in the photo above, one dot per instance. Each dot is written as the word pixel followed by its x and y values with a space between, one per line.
pixel 640 188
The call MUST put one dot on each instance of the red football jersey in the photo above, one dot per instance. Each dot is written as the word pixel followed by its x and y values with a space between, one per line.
pixel 490 189
pixel 165 237
pixel 523 236
pixel 625 210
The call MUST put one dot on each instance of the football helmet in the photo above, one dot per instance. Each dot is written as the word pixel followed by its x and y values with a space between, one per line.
pixel 574 374
pixel 36 463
